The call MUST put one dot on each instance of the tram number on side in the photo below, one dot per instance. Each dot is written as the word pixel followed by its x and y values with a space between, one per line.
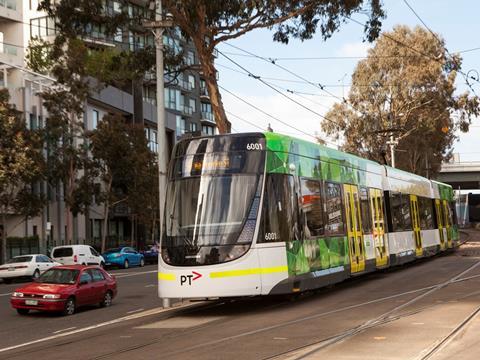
pixel 254 146
pixel 270 236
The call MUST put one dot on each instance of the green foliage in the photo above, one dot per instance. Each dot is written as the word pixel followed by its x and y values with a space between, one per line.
pixel 21 166
pixel 398 91
pixel 209 23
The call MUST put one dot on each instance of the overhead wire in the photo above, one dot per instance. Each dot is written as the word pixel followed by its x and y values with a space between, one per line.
pixel 273 117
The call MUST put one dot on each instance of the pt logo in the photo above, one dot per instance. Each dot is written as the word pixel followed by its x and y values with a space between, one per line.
pixel 189 278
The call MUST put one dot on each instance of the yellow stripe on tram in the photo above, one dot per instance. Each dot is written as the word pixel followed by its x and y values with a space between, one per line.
pixel 166 277
pixel 246 272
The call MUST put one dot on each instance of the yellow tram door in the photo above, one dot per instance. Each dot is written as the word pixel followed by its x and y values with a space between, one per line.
pixel 438 211
pixel 416 225
pixel 354 229
pixel 446 218
pixel 376 206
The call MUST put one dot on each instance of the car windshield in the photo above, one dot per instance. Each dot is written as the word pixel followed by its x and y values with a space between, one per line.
pixel 59 276
pixel 19 259
pixel 114 250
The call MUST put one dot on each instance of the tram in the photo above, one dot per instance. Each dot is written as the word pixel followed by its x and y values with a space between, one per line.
pixel 263 213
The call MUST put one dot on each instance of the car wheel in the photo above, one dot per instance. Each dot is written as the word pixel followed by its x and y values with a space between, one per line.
pixel 142 262
pixel 126 264
pixel 107 299
pixel 69 308
pixel 102 265
pixel 36 274
pixel 23 311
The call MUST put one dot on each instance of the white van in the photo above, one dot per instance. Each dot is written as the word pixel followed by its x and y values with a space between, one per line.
pixel 77 255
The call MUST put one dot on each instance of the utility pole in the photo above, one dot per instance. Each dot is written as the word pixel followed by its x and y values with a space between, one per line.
pixel 392 142
pixel 158 27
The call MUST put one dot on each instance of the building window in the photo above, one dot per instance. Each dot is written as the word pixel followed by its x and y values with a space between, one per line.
pixel 172 99
pixel 208 130
pixel 190 60
pixel 95 118
pixel 193 127
pixel 191 81
pixel 181 125
pixel 192 104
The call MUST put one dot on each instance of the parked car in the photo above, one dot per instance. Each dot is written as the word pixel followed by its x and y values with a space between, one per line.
pixel 124 257
pixel 31 266
pixel 150 254
pixel 64 289
pixel 77 254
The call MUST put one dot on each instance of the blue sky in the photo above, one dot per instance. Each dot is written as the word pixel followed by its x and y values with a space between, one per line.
pixel 457 22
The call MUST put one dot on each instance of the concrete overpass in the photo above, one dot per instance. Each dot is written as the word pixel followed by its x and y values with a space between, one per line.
pixel 461 175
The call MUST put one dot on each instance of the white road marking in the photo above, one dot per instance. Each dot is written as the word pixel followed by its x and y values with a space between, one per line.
pixel 59 331
pixel 153 311
pixel 5 294
pixel 151 285
pixel 134 311
pixel 137 273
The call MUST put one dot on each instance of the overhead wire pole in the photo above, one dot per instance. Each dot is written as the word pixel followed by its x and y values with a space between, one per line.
pixel 158 27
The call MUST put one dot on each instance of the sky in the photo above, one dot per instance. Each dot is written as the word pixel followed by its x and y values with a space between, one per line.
pixel 457 22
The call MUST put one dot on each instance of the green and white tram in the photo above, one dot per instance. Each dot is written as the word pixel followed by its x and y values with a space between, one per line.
pixel 262 213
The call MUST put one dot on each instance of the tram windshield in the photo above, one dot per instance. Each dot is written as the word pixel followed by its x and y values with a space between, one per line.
pixel 209 198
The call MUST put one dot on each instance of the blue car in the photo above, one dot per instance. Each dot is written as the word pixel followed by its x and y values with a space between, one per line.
pixel 124 257
pixel 151 254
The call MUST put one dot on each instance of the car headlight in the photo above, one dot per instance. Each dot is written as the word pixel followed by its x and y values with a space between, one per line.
pixel 17 294
pixel 51 296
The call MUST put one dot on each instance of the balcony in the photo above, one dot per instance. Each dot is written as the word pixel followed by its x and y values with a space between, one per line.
pixel 204 93
pixel 207 118
pixel 11 10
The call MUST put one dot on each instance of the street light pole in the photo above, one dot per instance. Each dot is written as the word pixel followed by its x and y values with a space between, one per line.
pixel 159 26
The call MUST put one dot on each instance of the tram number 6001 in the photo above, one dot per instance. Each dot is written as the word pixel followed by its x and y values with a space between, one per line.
pixel 254 146
pixel 270 236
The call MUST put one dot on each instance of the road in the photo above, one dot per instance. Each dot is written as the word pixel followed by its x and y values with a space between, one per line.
pixel 425 310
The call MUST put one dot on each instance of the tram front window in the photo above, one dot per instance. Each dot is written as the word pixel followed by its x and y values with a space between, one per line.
pixel 209 199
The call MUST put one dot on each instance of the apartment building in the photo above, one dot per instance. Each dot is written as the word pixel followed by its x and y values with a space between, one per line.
pixel 187 105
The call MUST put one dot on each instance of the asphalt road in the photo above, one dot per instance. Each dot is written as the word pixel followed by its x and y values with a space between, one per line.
pixel 414 312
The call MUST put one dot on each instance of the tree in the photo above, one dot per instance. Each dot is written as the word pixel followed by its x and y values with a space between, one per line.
pixel 407 94
pixel 21 166
pixel 143 189
pixel 209 23
pixel 111 147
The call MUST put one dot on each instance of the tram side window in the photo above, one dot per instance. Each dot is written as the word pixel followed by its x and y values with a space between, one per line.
pixel 334 209
pixel 279 209
pixel 396 211
pixel 453 213
pixel 365 210
pixel 426 213
pixel 311 203
pixel 407 219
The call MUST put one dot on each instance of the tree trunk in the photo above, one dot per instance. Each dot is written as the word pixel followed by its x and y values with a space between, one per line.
pixel 3 251
pixel 105 225
pixel 132 230
pixel 106 212
pixel 208 69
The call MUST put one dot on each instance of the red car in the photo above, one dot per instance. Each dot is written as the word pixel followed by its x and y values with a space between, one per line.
pixel 64 288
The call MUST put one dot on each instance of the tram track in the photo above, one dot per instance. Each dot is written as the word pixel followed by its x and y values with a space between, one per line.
pixel 377 321
pixel 382 319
